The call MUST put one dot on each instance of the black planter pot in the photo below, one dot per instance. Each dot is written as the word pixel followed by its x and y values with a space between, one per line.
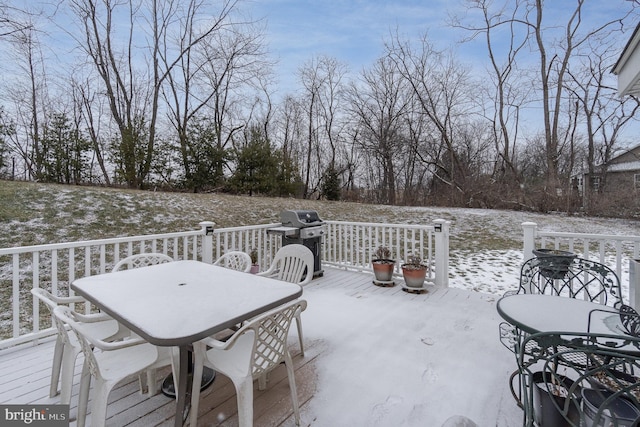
pixel 546 412
pixel 618 411
pixel 554 264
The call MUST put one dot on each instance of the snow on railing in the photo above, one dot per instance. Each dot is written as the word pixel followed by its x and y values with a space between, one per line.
pixel 55 266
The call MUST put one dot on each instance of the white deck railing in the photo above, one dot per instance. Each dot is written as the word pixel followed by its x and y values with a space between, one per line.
pixel 615 251
pixel 55 266
pixel 612 250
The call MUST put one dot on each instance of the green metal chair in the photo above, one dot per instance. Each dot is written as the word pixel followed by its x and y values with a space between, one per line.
pixel 580 379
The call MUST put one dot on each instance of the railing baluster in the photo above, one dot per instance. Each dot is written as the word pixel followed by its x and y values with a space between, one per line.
pixel 54 272
pixel 16 291
pixel 350 244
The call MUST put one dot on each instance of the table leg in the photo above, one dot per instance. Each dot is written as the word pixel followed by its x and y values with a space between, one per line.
pixel 182 406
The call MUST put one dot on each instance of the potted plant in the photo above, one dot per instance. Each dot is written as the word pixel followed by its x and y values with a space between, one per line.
pixel 554 263
pixel 254 261
pixel 383 266
pixel 414 272
pixel 550 395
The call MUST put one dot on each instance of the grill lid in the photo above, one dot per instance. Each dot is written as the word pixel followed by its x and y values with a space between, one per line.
pixel 300 219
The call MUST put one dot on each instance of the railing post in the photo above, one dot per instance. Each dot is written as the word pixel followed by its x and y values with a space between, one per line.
pixel 442 252
pixel 529 239
pixel 207 241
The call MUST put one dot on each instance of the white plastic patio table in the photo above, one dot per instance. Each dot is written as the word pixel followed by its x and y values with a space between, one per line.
pixel 181 302
pixel 535 313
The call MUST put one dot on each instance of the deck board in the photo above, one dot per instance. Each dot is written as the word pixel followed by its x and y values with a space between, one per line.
pixel 24 372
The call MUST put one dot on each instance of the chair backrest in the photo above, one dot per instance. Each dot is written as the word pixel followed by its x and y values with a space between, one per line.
pixel 141 260
pixel 581 278
pixel 593 368
pixel 270 331
pixel 52 301
pixel 235 260
pixel 293 263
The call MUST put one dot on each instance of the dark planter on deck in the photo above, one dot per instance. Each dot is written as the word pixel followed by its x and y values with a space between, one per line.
pixel 551 406
pixel 554 264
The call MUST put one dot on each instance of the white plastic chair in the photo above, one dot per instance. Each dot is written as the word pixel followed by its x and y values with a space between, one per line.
pixel 292 263
pixel 137 261
pixel 67 346
pixel 111 363
pixel 235 260
pixel 254 350
pixel 141 260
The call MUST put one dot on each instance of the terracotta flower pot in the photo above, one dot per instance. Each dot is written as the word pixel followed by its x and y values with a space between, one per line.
pixel 383 269
pixel 414 275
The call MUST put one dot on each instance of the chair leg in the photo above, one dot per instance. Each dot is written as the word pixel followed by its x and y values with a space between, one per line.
pixel 292 385
pixel 83 396
pixel 142 382
pixel 99 403
pixel 55 368
pixel 152 383
pixel 299 326
pixel 262 381
pixel 68 368
pixel 244 392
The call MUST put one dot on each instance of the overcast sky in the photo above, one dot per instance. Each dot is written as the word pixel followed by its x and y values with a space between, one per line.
pixel 353 31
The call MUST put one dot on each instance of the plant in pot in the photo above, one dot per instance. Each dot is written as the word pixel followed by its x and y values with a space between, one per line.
pixel 254 261
pixel 554 402
pixel 383 266
pixel 554 263
pixel 414 272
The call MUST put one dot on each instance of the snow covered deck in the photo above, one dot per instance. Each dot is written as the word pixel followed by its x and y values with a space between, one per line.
pixel 373 356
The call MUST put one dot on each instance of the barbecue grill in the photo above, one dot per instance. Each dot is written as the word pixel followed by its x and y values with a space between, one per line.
pixel 305 228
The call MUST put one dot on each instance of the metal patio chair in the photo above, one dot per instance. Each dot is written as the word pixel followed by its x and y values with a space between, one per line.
pixel 580 379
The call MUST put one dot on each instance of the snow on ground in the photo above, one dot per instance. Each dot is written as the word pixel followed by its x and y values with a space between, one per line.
pixel 393 360
pixel 409 374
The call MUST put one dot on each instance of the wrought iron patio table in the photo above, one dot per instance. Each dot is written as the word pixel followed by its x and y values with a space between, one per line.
pixel 181 302
pixel 568 331
pixel 533 313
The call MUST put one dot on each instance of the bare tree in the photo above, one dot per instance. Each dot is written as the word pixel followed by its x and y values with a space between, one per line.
pixel 29 95
pixel 92 112
pixel 508 92
pixel 554 60
pixel 603 113
pixel 379 101
pixel 443 93
pixel 13 20
pixel 134 89
pixel 215 79
pixel 323 81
